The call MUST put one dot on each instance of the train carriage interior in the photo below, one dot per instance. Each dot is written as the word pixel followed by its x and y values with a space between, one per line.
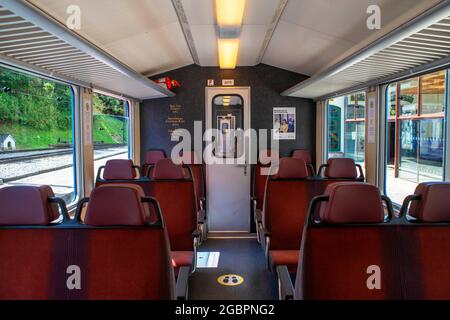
pixel 224 150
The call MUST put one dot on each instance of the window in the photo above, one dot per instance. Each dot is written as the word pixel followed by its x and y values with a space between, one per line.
pixel 36 133
pixel 415 135
pixel 346 132
pixel 111 129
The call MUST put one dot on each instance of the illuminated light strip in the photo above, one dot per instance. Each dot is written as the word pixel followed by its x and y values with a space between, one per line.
pixel 228 53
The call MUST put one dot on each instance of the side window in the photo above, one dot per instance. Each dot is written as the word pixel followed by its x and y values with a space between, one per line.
pixel 415 133
pixel 111 129
pixel 346 127
pixel 36 133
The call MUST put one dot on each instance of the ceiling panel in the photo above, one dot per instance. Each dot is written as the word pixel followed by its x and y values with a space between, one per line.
pixel 115 25
pixel 305 50
pixel 342 27
pixel 205 40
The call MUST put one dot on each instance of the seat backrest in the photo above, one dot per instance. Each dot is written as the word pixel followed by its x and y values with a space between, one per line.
pixel 117 169
pixel 258 178
pixel 26 253
pixel 151 158
pixel 427 241
pixel 27 205
pixel 433 202
pixel 338 170
pixel 351 253
pixel 304 154
pixel 286 201
pixel 124 235
pixel 40 261
pixel 190 159
pixel 176 196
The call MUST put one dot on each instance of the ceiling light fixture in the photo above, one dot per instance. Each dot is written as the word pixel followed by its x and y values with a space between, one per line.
pixel 230 15
pixel 228 53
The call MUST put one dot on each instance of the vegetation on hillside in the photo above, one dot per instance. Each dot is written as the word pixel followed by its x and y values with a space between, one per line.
pixel 38 112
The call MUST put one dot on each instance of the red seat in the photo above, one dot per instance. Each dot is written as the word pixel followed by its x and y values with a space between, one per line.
pixel 305 154
pixel 27 254
pixel 190 160
pixel 286 201
pixel 341 250
pixel 151 158
pixel 117 170
pixel 338 170
pixel 259 178
pixel 176 196
pixel 130 259
pixel 426 239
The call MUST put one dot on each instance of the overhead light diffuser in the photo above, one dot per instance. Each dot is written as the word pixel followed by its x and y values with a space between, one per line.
pixel 228 53
pixel 230 13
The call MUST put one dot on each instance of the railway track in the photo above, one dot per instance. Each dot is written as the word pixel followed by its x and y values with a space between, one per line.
pixel 18 156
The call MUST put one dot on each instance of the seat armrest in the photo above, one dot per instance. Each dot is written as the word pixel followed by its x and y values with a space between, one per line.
pixel 201 216
pixel 203 204
pixel 258 215
pixel 181 290
pixel 196 234
pixel 285 287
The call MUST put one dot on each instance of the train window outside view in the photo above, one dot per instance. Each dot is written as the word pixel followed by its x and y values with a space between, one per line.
pixel 415 143
pixel 36 133
pixel 111 129
pixel 346 127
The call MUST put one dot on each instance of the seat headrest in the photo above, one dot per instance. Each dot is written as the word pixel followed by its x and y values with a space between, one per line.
pixel 119 169
pixel 356 202
pixel 165 169
pixel 116 205
pixel 152 156
pixel 302 154
pixel 341 168
pixel 189 157
pixel 434 205
pixel 265 156
pixel 27 205
pixel 290 168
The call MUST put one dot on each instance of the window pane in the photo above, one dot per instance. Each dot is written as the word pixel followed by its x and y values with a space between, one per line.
pixel 36 136
pixel 433 93
pixel 346 138
pixel 419 143
pixel 361 105
pixel 408 97
pixel 391 100
pixel 350 107
pixel 335 119
pixel 111 129
pixel 431 153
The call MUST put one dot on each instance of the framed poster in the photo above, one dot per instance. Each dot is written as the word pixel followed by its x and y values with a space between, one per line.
pixel 284 123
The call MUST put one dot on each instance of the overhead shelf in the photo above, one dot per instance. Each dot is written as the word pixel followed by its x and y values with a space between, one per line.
pixel 32 40
pixel 421 43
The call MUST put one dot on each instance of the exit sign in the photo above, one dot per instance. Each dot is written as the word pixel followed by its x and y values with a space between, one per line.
pixel 228 82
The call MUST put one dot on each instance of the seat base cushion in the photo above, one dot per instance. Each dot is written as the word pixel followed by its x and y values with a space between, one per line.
pixel 287 258
pixel 182 259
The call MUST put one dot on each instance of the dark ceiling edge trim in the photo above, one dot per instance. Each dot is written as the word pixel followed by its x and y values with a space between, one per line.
pixel 35 15
pixel 185 27
pixel 416 71
pixel 436 13
pixel 271 30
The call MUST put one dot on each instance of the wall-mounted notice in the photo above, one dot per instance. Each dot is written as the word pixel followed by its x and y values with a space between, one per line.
pixel 284 123
pixel 87 108
pixel 210 82
pixel 228 82
pixel 175 119
pixel 371 118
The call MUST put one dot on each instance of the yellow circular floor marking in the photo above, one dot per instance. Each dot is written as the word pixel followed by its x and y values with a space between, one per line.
pixel 230 280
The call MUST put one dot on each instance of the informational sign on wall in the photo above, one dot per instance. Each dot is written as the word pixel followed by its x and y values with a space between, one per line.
pixel 87 108
pixel 175 119
pixel 284 123
pixel 371 118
